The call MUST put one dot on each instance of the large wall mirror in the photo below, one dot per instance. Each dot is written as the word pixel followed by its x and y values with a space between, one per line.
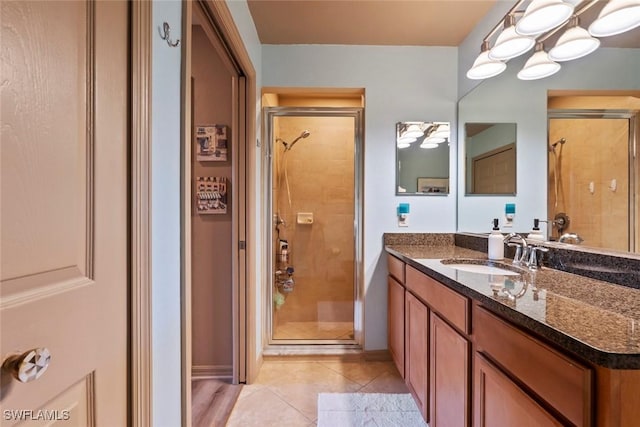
pixel 545 113
pixel 490 165
pixel 422 158
pixel 592 168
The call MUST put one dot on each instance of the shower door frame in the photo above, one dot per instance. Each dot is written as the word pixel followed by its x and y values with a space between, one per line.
pixel 315 346
pixel 634 169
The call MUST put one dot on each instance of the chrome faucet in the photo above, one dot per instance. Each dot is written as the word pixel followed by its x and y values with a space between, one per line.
pixel 534 259
pixel 525 254
pixel 522 250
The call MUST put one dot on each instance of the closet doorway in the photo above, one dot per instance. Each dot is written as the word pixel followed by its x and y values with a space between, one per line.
pixel 219 94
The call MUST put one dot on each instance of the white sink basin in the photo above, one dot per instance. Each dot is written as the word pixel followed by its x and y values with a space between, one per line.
pixel 483 269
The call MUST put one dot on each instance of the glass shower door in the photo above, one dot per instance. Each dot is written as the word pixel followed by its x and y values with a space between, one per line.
pixel 313 209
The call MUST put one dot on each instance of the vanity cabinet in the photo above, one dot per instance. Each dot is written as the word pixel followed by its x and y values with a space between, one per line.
pixel 499 402
pixel 436 346
pixel 464 365
pixel 417 351
pixel 559 382
pixel 468 365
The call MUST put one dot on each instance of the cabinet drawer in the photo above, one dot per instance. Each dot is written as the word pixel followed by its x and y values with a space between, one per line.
pixel 448 303
pixel 499 402
pixel 562 382
pixel 396 268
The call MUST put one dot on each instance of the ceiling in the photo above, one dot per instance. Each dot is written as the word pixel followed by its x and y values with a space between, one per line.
pixel 387 22
pixel 367 22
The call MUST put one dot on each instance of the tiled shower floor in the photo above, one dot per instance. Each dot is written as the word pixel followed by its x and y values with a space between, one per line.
pixel 314 331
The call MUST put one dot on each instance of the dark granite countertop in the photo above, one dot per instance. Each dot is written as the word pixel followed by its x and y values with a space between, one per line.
pixel 595 320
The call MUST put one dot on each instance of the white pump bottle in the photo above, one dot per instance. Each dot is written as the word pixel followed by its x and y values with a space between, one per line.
pixel 496 242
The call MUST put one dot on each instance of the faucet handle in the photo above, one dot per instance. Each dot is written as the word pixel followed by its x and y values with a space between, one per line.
pixel 533 257
pixel 517 258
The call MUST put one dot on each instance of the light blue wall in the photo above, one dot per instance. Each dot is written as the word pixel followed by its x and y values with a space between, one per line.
pixel 401 84
pixel 165 213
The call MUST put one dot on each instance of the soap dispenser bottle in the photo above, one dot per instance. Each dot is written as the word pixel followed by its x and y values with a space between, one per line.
pixel 535 233
pixel 496 242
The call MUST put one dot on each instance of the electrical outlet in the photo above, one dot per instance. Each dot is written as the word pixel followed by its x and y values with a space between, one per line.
pixel 403 220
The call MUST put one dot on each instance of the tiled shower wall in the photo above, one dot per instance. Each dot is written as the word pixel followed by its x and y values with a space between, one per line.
pixel 320 171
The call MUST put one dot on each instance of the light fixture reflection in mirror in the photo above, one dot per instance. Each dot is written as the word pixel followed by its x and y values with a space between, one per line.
pixel 490 166
pixel 422 158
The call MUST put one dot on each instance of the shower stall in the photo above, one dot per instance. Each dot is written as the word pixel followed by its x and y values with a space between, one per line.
pixel 314 164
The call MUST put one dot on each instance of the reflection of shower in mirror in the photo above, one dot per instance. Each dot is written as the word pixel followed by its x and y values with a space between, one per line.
pixel 556 167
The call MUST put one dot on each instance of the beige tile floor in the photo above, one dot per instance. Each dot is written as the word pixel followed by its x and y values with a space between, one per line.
pixel 314 331
pixel 286 392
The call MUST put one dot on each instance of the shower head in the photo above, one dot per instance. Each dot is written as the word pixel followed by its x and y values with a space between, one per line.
pixel 305 133
pixel 561 141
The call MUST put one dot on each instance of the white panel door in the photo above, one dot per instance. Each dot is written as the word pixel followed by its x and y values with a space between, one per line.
pixel 64 209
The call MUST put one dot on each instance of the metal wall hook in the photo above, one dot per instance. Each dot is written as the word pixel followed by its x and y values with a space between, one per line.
pixel 165 34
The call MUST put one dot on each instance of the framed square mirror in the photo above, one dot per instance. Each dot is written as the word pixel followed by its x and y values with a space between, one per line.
pixel 490 158
pixel 422 158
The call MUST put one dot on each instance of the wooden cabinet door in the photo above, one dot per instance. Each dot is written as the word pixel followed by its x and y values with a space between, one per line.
pixel 395 323
pixel 449 375
pixel 501 403
pixel 417 352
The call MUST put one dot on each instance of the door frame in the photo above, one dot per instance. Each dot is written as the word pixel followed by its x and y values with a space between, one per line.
pixel 140 226
pixel 141 356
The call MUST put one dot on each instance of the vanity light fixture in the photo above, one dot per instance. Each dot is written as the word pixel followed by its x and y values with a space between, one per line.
pixel 443 131
pixel 509 43
pixel 616 17
pixel 428 145
pixel 538 66
pixel 434 140
pixel 402 145
pixel 413 131
pixel 406 139
pixel 540 20
pixel 575 43
pixel 485 67
pixel 408 132
pixel 543 15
